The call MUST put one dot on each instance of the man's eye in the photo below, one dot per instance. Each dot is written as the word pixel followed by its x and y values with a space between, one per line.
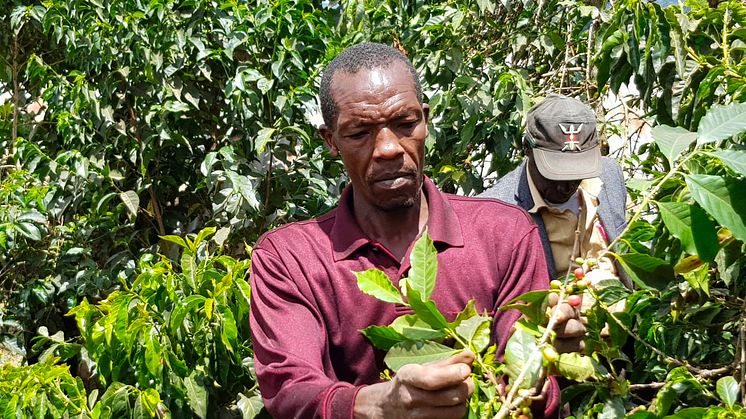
pixel 408 125
pixel 357 135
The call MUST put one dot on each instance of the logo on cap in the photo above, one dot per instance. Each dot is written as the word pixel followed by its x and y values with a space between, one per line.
pixel 571 143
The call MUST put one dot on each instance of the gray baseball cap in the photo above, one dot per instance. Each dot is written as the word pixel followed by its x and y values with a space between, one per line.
pixel 562 133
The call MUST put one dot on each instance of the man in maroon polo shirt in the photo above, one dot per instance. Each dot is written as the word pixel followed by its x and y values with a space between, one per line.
pixel 311 360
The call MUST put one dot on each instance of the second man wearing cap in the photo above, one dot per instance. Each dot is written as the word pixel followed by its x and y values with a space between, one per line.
pixel 565 184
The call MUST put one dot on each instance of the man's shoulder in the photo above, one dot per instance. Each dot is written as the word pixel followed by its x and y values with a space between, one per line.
pixel 487 210
pixel 298 232
pixel 505 187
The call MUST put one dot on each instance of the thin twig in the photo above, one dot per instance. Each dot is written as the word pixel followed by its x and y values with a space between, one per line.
pixel 510 402
pixel 703 375
pixel 742 360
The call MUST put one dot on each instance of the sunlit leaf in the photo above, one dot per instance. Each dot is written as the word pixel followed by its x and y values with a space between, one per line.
pixel 414 328
pixel 727 389
pixel 426 310
pixel 263 137
pixel 417 352
pixel 131 202
pixel 424 266
pixel 376 283
pixel 383 337
pixel 575 366
pixel 672 140
pixel 476 331
pixel 532 304
pixel 723 198
pixel 646 271
pixel 692 226
pixel 722 121
pixel 522 352
pixel 735 159
pixel 196 394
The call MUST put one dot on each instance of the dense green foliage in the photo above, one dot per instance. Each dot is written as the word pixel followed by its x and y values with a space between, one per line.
pixel 128 124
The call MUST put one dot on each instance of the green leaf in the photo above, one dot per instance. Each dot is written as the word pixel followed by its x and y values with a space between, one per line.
pixel 29 230
pixel 727 388
pixel 476 332
pixel 689 413
pixel 262 139
pixel 647 272
pixel 532 304
pixel 189 269
pixel 196 394
pixel 33 216
pixel 417 352
pixel 152 352
pixel 414 328
pixel 424 266
pixel 671 141
pixel 383 337
pixel 613 409
pixel 230 330
pixel 693 227
pixel 250 407
pixel 699 278
pixel 176 240
pixel 181 310
pixel 611 290
pixel 575 366
pixel 722 121
pixel 425 310
pixel 203 234
pixel 468 312
pixel 131 201
pixel 522 352
pixel 375 283
pixel 736 159
pixel 722 198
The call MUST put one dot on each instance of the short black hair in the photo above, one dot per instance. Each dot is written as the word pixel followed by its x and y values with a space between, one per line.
pixel 367 56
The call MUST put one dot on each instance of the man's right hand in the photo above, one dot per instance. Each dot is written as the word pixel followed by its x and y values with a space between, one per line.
pixel 437 390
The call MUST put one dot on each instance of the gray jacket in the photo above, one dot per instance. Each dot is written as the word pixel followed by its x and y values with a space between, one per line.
pixel 513 188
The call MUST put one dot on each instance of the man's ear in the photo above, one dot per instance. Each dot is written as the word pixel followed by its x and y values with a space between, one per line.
pixel 426 116
pixel 328 136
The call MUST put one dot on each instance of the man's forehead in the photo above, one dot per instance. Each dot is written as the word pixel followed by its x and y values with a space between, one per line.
pixel 375 77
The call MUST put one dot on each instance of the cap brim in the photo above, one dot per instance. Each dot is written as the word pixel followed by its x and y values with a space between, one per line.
pixel 563 165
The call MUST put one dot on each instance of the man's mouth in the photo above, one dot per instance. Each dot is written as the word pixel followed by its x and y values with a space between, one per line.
pixel 393 180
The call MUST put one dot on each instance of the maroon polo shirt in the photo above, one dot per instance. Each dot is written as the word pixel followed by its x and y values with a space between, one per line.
pixel 306 308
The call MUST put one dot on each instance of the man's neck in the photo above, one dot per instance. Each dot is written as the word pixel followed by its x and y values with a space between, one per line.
pixel 395 229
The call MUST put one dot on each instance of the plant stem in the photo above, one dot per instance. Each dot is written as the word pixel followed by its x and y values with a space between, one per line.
pixel 742 360
pixel 477 357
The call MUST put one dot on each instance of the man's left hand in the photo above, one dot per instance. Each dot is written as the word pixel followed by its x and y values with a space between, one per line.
pixel 569 327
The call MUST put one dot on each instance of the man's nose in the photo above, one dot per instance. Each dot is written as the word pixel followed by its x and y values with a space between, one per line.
pixel 387 144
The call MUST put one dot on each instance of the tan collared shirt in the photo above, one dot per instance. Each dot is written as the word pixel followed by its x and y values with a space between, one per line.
pixel 561 222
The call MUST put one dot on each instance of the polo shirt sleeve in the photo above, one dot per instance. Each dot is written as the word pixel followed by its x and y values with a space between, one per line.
pixel 525 271
pixel 290 347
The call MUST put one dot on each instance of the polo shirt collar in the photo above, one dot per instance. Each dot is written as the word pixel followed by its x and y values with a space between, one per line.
pixel 442 225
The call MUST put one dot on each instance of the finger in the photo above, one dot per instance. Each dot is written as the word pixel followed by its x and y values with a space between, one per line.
pixel 451 396
pixel 448 412
pixel 566 312
pixel 463 357
pixel 437 375
pixel 572 328
pixel 569 345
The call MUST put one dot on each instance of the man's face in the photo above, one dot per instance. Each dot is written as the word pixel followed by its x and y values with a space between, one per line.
pixel 380 134
pixel 553 191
